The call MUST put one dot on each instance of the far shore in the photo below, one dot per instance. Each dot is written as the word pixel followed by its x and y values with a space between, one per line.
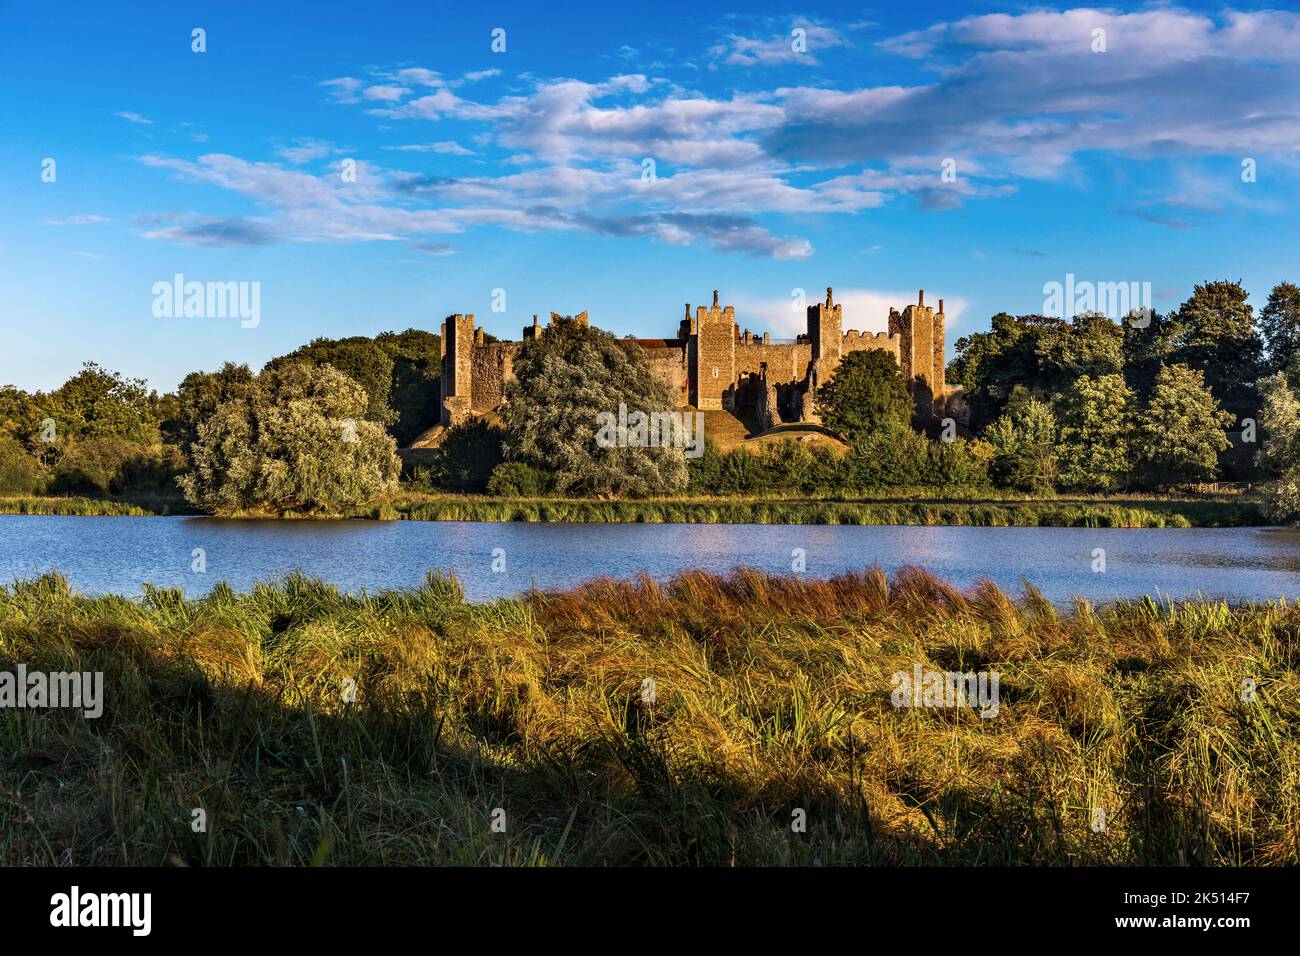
pixel 888 507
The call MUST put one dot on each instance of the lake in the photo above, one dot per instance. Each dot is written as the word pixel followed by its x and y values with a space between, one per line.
pixel 116 555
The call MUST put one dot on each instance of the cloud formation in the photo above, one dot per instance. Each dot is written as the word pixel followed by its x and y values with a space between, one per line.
pixel 1001 99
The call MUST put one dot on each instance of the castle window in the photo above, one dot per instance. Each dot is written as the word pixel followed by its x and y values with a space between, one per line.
pixel 715 373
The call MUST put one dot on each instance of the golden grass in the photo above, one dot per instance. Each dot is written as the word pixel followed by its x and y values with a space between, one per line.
pixel 771 696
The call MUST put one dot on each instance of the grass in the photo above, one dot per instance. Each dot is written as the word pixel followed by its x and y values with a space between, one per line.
pixel 771 695
pixel 97 507
pixel 923 506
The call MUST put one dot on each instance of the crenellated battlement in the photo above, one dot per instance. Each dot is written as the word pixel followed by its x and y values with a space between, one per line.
pixel 712 363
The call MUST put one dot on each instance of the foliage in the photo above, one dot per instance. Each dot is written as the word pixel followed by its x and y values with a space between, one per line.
pixel 20 474
pixel 298 442
pixel 1279 455
pixel 1181 431
pixel 1096 430
pixel 1219 339
pixel 1024 445
pixel 1042 354
pixel 360 359
pixel 467 456
pixel 414 392
pixel 514 479
pixel 564 379
pixel 866 394
pixel 1279 323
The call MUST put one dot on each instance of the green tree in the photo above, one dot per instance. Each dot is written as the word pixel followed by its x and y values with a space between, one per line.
pixel 413 395
pixel 1219 339
pixel 867 394
pixel 1279 454
pixel 298 441
pixel 201 394
pixel 1024 445
pixel 467 456
pixel 563 380
pixel 1181 431
pixel 360 359
pixel 1038 353
pixel 1279 322
pixel 1096 429
pixel 97 403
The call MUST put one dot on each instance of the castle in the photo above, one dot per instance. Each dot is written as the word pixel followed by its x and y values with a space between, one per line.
pixel 712 364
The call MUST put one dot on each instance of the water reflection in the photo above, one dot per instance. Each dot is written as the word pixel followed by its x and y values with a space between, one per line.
pixel 119 554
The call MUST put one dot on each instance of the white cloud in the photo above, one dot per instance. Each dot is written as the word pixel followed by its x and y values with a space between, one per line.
pixel 864 310
pixel 447 147
pixel 134 118
pixel 739 50
pixel 77 220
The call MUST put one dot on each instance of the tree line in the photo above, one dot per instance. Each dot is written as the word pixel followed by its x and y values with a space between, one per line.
pixel 1206 392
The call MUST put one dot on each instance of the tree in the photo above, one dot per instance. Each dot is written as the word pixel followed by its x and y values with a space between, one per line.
pixel 413 395
pixel 1024 444
pixel 1279 322
pixel 297 441
pixel 97 403
pixel 1035 352
pixel 563 380
pixel 867 394
pixel 201 394
pixel 1279 456
pixel 1219 339
pixel 1096 427
pixel 361 360
pixel 467 456
pixel 1181 431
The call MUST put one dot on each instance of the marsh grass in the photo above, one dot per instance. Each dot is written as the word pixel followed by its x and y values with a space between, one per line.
pixel 1086 513
pixel 771 694
pixel 95 507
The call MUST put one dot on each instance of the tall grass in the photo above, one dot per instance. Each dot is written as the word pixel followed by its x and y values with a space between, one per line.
pixel 770 695
pixel 1006 513
pixel 53 505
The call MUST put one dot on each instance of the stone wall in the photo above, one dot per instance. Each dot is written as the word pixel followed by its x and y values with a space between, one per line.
pixel 710 366
pixel 491 369
pixel 713 359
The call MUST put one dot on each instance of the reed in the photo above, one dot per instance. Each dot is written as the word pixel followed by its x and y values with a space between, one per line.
pixel 771 695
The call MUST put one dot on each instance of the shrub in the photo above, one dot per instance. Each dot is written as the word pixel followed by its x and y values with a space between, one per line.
pixel 515 479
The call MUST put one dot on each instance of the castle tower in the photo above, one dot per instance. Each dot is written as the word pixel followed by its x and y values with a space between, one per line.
pixel 456 383
pixel 825 324
pixel 713 356
pixel 920 331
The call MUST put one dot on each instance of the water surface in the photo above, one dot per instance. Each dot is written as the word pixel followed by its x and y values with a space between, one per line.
pixel 118 554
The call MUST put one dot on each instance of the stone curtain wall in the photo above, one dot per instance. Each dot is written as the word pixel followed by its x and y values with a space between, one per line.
pixel 709 366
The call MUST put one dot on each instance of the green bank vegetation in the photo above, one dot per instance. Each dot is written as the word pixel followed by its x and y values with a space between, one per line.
pixel 630 723
pixel 920 506
pixel 1205 393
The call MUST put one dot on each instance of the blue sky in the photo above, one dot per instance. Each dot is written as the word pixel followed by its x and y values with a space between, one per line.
pixel 775 169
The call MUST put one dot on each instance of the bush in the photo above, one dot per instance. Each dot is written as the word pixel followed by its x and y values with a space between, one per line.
pixel 297 441
pixel 468 455
pixel 101 466
pixel 20 473
pixel 514 479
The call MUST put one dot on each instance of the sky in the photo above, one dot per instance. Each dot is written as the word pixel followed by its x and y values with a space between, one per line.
pixel 381 165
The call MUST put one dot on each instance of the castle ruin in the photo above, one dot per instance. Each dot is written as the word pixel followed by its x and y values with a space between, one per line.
pixel 713 364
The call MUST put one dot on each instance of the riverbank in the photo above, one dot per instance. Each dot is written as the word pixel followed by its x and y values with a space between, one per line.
pixel 919 507
pixel 741 720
